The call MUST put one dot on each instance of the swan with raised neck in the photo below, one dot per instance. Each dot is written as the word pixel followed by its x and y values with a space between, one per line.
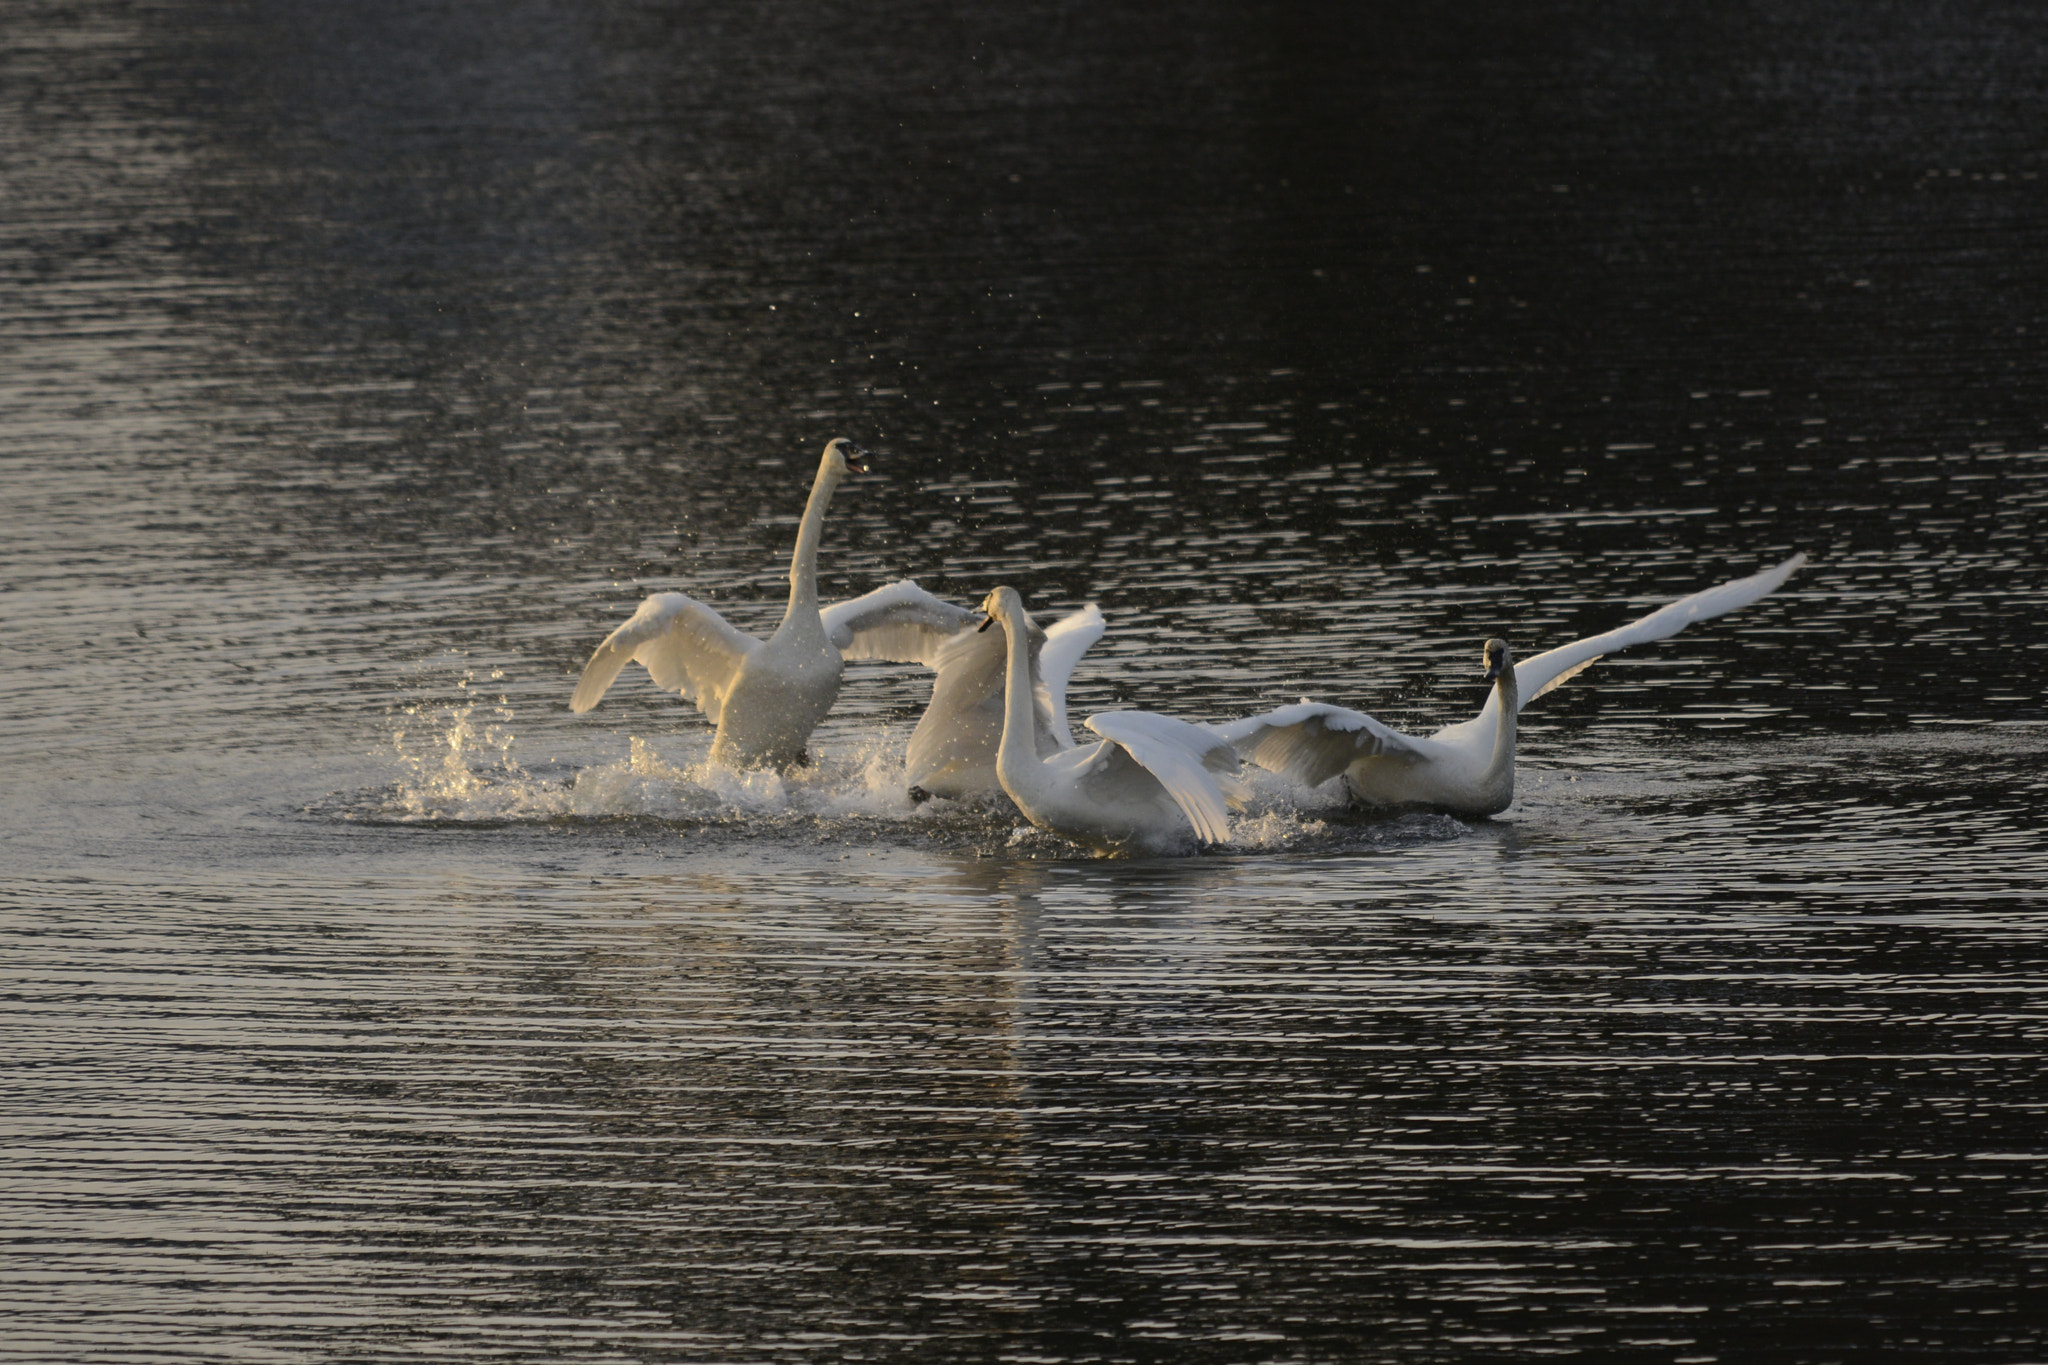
pixel 1469 769
pixel 767 696
pixel 1152 784
pixel 1018 765
pixel 841 457
pixel 952 753
pixel 1497 782
pixel 787 685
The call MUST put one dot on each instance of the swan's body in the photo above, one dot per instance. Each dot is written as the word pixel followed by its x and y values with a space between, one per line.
pixel 953 750
pixel 766 696
pixel 1153 784
pixel 1467 768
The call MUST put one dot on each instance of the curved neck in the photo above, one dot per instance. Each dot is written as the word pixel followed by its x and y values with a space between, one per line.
pixel 1017 745
pixel 803 562
pixel 1508 695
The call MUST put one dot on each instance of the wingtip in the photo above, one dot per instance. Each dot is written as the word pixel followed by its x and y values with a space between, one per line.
pixel 596 680
pixel 1776 575
pixel 1087 619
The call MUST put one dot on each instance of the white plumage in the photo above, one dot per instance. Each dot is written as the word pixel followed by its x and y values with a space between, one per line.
pixel 953 750
pixel 1153 784
pixel 1467 768
pixel 766 696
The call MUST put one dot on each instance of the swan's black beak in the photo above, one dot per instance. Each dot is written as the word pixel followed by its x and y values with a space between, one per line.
pixel 856 458
pixel 985 624
pixel 1492 673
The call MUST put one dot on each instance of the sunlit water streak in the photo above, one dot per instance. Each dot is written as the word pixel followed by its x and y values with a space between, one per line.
pixel 1143 1103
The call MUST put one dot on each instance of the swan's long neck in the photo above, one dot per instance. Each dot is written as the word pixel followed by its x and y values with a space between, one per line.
pixel 803 562
pixel 1500 768
pixel 1017 748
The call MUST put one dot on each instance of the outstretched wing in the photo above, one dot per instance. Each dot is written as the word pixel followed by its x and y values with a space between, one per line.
pixel 901 623
pixel 686 646
pixel 1065 642
pixel 1179 755
pixel 1311 742
pixel 1550 670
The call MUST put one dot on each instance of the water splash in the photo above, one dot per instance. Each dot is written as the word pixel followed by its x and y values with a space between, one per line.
pixel 458 766
pixel 1275 830
pixel 643 783
pixel 464 770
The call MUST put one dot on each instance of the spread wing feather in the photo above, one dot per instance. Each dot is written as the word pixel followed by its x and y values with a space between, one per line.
pixel 1178 754
pixel 1311 742
pixel 1065 642
pixel 1547 671
pixel 686 647
pixel 901 623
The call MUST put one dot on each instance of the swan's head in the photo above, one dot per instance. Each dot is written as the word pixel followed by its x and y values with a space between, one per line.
pixel 1003 605
pixel 1499 658
pixel 843 457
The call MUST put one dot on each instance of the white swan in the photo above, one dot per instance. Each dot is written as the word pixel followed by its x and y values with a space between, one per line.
pixel 766 696
pixel 1467 768
pixel 952 752
pixel 1154 784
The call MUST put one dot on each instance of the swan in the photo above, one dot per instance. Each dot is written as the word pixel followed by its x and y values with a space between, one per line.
pixel 952 752
pixel 766 696
pixel 1467 768
pixel 1153 784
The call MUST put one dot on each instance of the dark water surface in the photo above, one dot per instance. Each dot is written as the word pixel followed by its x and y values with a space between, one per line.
pixel 362 363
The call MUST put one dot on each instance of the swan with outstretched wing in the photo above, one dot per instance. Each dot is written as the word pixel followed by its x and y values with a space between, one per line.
pixel 1152 784
pixel 1467 768
pixel 766 696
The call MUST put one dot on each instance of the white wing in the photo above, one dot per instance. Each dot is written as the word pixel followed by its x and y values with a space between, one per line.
pixel 1549 670
pixel 953 750
pixel 1311 742
pixel 901 623
pixel 1179 754
pixel 686 646
pixel 1069 638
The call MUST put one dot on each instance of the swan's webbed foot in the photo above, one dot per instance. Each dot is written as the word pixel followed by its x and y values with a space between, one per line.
pixel 918 795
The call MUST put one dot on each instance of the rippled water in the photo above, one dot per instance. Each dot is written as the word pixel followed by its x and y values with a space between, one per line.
pixel 365 363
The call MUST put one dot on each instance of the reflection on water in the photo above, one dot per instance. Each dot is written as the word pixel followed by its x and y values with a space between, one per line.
pixel 1514 1083
pixel 366 362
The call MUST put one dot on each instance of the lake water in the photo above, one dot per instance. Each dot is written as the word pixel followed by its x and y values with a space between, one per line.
pixel 365 363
